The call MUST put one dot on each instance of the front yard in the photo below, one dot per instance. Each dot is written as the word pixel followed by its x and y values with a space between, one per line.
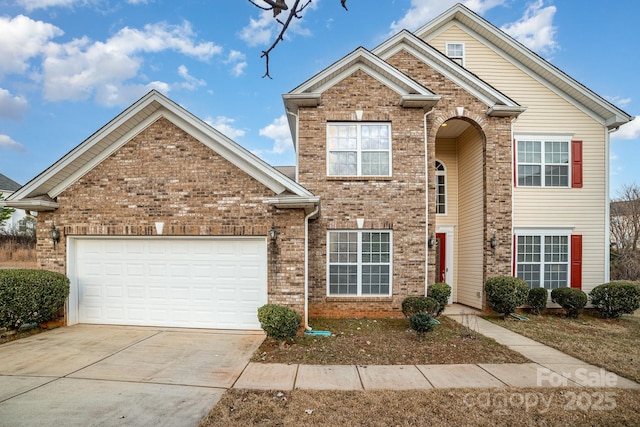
pixel 387 342
pixel 608 343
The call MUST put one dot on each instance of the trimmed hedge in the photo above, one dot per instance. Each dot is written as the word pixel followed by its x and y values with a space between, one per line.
pixel 537 299
pixel 414 305
pixel 614 299
pixel 422 322
pixel 30 296
pixel 279 322
pixel 506 293
pixel 441 293
pixel 572 300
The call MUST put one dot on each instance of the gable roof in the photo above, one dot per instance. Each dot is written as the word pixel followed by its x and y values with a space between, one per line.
pixel 40 192
pixel 530 62
pixel 7 184
pixel 499 104
pixel 411 93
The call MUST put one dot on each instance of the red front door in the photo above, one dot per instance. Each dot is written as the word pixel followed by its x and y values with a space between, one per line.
pixel 441 257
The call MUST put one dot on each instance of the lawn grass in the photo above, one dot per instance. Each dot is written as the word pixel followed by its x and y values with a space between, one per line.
pixel 613 344
pixel 438 407
pixel 386 342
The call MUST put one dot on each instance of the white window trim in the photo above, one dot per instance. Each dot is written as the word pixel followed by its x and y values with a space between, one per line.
pixel 359 263
pixel 446 189
pixel 543 137
pixel 359 148
pixel 542 233
pixel 464 51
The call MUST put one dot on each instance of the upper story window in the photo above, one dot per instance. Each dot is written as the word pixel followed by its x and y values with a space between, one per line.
pixel 359 149
pixel 441 188
pixel 543 162
pixel 455 51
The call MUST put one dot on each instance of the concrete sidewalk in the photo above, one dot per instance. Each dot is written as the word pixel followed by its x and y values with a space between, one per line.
pixel 549 368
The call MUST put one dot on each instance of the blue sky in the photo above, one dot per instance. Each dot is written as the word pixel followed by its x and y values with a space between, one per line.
pixel 67 67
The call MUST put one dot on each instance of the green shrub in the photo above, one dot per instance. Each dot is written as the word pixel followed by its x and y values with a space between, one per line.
pixel 422 322
pixel 572 300
pixel 441 293
pixel 30 296
pixel 413 305
pixel 506 293
pixel 537 299
pixel 279 322
pixel 614 299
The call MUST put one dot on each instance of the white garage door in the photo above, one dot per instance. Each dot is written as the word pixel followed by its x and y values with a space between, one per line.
pixel 195 283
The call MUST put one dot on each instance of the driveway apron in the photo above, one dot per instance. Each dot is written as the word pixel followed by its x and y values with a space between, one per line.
pixel 97 375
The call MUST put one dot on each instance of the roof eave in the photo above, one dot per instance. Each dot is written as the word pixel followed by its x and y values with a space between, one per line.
pixel 419 101
pixel 38 204
pixel 309 204
pixel 505 111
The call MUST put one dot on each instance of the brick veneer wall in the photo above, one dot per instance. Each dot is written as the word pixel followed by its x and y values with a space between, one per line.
pixel 165 175
pixel 398 203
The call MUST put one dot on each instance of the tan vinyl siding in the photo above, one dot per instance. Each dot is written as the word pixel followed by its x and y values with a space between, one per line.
pixel 582 209
pixel 447 153
pixel 470 228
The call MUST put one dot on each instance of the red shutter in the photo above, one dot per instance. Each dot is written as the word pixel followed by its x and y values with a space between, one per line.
pixel 576 164
pixel 576 261
pixel 515 164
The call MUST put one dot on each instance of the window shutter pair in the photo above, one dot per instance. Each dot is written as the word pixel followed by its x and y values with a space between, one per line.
pixel 575 263
pixel 576 164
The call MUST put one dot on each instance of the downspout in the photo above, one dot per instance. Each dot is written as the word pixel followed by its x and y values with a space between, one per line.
pixel 306 267
pixel 426 178
pixel 607 210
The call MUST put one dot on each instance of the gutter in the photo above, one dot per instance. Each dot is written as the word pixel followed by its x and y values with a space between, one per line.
pixel 306 267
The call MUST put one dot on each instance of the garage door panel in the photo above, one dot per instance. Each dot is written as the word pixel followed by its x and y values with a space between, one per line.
pixel 208 283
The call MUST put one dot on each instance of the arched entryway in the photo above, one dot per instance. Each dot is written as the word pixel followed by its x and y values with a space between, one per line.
pixel 459 164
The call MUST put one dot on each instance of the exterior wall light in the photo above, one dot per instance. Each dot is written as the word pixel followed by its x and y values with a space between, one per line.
pixel 55 235
pixel 432 241
pixel 494 241
pixel 273 234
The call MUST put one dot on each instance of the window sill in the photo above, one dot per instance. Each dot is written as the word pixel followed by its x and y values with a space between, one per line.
pixel 333 298
pixel 359 178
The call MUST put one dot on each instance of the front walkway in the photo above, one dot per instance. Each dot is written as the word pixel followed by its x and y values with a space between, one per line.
pixel 549 368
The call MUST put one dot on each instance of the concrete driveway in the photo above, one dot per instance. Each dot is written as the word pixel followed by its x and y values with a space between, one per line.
pixel 95 375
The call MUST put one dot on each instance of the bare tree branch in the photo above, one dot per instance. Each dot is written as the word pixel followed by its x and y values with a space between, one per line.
pixel 277 6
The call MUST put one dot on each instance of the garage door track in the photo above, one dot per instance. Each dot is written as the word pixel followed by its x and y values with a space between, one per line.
pixel 94 375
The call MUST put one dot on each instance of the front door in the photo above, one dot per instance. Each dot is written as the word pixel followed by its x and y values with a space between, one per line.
pixel 441 257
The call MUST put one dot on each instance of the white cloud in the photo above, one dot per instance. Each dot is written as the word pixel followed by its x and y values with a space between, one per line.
pixel 628 131
pixel 617 101
pixel 12 107
pixel 115 95
pixel 190 83
pixel 224 125
pixel 422 11
pixel 6 143
pixel 238 62
pixel 31 5
pixel 535 29
pixel 21 39
pixel 77 69
pixel 279 131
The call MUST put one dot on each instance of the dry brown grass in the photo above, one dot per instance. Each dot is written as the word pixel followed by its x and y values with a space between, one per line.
pixel 439 407
pixel 613 344
pixel 387 342
pixel 16 251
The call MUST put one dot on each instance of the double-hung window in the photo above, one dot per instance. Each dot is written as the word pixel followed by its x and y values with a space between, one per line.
pixel 455 51
pixel 359 263
pixel 359 149
pixel 542 260
pixel 543 162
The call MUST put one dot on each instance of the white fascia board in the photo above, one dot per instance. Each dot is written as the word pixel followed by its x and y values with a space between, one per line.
pixel 87 144
pixel 37 205
pixel 505 111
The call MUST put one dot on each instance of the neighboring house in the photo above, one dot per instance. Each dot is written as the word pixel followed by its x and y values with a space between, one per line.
pixel 449 154
pixel 7 187
pixel 625 225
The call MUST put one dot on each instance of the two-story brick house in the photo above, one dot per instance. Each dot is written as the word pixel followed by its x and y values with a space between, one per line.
pixel 449 154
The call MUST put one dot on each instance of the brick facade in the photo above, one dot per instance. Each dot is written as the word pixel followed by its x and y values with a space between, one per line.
pixel 399 202
pixel 165 175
